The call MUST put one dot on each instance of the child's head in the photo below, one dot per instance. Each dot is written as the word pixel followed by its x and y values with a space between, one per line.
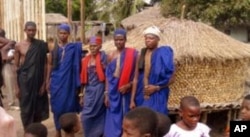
pixel 36 130
pixel 245 109
pixel 190 111
pixel 164 124
pixel 140 122
pixel 70 123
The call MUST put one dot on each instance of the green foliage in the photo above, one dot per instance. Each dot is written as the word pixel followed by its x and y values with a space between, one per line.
pixel 60 6
pixel 219 13
pixel 116 11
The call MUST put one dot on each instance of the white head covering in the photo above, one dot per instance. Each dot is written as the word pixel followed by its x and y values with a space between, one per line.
pixel 152 30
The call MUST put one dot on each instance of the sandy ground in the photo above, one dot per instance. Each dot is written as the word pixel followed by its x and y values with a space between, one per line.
pixel 48 123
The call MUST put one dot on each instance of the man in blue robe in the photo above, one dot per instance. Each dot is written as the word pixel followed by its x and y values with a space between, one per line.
pixel 64 76
pixel 93 83
pixel 119 77
pixel 155 69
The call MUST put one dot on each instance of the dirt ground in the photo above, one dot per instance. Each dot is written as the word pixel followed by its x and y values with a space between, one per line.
pixel 48 123
pixel 214 124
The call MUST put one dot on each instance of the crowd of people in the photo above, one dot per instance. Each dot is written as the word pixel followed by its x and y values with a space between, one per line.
pixel 121 93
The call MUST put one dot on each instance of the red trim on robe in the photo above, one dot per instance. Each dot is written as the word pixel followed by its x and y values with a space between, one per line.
pixel 127 67
pixel 99 68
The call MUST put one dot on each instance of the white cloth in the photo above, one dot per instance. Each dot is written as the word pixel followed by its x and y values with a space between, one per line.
pixel 11 53
pixel 7 124
pixel 201 130
pixel 152 30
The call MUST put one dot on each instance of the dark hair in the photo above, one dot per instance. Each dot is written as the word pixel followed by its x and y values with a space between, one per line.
pixel 37 129
pixel 29 23
pixel 164 124
pixel 2 32
pixel 247 97
pixel 189 101
pixel 144 119
pixel 68 121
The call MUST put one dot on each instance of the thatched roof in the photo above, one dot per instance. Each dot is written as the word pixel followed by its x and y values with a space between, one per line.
pixel 55 18
pixel 189 40
pixel 151 13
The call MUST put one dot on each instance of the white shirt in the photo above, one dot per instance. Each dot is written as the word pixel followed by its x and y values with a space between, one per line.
pixel 201 130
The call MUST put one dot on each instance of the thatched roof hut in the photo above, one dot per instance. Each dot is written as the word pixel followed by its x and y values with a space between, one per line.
pixel 55 18
pixel 209 64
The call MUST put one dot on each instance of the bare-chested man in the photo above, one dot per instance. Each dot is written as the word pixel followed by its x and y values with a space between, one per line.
pixel 8 70
pixel 30 60
pixel 4 43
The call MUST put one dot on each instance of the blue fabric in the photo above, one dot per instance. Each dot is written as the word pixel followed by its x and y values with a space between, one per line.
pixel 119 104
pixel 93 112
pixel 120 32
pixel 65 27
pixel 162 68
pixel 65 80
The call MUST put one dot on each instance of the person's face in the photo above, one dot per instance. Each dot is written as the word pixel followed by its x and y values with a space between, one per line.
pixel 29 135
pixel 120 41
pixel 151 41
pixel 245 110
pixel 190 116
pixel 94 49
pixel 63 35
pixel 30 31
pixel 129 129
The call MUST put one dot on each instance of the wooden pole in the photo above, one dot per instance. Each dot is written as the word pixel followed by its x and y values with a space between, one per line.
pixel 83 21
pixel 1 14
pixel 21 20
pixel 69 15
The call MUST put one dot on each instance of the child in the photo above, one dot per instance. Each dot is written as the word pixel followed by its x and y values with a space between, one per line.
pixel 7 124
pixel 164 124
pixel 140 122
pixel 70 124
pixel 36 130
pixel 245 109
pixel 189 125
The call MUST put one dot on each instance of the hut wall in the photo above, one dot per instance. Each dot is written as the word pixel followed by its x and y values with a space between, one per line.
pixel 214 84
pixel 14 14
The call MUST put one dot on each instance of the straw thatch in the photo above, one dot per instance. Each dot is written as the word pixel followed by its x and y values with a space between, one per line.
pixel 55 18
pixel 142 17
pixel 209 64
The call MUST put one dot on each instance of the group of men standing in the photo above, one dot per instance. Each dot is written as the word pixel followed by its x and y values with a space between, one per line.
pixel 104 87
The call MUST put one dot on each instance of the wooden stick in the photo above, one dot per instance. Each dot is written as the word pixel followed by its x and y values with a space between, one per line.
pixel 183 11
pixel 83 39
pixel 21 20
pixel 204 117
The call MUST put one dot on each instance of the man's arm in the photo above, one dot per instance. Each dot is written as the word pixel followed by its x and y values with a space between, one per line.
pixel 16 66
pixel 5 42
pixel 49 68
pixel 134 84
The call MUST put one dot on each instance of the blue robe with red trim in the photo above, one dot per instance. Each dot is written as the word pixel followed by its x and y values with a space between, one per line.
pixel 119 104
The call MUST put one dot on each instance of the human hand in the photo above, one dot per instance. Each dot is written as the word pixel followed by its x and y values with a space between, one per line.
pixel 42 89
pixel 81 101
pixel 124 89
pixel 150 89
pixel 48 86
pixel 106 101
pixel 17 93
pixel 132 105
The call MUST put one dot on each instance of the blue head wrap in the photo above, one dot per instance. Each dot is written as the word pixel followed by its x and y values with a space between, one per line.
pixel 65 27
pixel 120 32
pixel 94 40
